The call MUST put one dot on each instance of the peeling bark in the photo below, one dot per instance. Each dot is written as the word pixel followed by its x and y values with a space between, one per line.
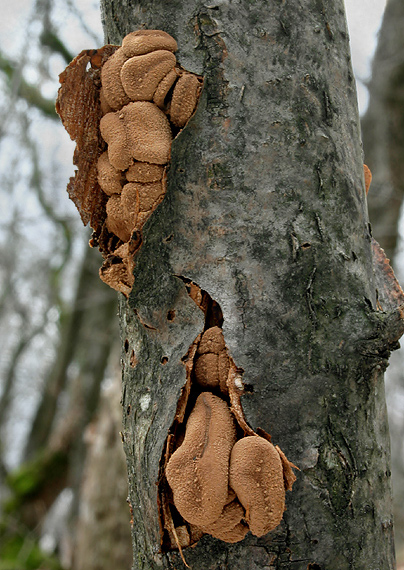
pixel 265 211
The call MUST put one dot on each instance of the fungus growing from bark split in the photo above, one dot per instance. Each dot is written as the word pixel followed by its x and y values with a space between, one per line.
pixel 118 112
pixel 255 475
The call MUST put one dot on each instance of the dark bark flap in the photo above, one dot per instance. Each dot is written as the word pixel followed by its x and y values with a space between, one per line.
pixel 390 295
pixel 78 106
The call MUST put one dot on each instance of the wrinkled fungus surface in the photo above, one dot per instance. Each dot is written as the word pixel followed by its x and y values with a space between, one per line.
pixel 256 476
pixel 198 471
pixel 118 112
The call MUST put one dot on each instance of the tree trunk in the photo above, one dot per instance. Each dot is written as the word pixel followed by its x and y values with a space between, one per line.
pixel 265 212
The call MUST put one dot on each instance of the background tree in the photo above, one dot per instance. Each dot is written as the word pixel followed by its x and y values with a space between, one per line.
pixel 58 327
pixel 266 212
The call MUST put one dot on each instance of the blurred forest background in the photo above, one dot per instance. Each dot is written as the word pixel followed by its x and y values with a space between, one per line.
pixel 62 470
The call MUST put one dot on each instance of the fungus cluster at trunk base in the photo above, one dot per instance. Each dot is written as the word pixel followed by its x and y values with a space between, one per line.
pixel 217 475
pixel 123 106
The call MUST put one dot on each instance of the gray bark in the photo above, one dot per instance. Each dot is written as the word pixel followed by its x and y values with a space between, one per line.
pixel 265 211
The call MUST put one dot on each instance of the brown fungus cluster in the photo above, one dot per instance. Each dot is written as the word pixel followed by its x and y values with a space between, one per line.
pixel 123 105
pixel 218 476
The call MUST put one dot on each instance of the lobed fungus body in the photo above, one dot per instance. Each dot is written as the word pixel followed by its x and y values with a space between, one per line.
pixel 198 471
pixel 212 341
pixel 256 476
pixel 126 98
pixel 212 363
pixel 163 88
pixel 139 131
pixel 146 41
pixel 211 370
pixel 141 75
pixel 185 98
pixel 122 212
pixel 109 178
pixel 113 91
pixel 144 172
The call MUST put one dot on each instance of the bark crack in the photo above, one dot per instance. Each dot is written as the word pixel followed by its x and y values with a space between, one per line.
pixel 217 475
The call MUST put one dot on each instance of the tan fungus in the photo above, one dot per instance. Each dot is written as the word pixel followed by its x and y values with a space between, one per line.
pixel 109 178
pixel 212 341
pixel 145 41
pixel 150 195
pixel 229 526
pixel 105 107
pixel 138 131
pixel 149 131
pixel 256 475
pixel 211 370
pixel 113 91
pixel 144 172
pixel 113 131
pixel 198 470
pixel 122 212
pixel 141 75
pixel 184 100
pixel 163 88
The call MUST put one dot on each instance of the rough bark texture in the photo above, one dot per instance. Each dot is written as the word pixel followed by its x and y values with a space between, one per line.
pixel 265 211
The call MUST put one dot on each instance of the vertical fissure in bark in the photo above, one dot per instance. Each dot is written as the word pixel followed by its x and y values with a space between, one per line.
pixel 213 378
